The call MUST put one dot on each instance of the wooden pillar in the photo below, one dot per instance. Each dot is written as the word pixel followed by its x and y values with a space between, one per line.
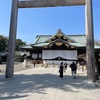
pixel 90 53
pixel 12 41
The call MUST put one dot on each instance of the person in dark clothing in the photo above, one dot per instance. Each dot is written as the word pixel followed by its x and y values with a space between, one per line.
pixel 73 69
pixel 61 67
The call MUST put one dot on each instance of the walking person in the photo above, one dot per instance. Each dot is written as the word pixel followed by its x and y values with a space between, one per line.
pixel 73 69
pixel 61 67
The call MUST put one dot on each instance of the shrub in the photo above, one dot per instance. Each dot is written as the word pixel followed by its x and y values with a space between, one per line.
pixel 18 58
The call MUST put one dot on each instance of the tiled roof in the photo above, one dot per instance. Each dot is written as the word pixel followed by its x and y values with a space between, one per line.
pixel 74 40
pixel 27 46
pixel 41 38
pixel 77 44
pixel 97 46
pixel 3 53
pixel 78 38
pixel 40 44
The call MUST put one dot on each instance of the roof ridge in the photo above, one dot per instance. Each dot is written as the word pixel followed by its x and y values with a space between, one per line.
pixel 43 35
pixel 77 35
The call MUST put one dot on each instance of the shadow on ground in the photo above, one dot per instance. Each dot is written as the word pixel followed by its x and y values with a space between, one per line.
pixel 38 83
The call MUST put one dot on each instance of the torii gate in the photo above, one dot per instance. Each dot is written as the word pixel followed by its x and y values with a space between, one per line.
pixel 52 3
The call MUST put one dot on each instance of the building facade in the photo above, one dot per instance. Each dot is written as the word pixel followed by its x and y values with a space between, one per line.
pixel 58 47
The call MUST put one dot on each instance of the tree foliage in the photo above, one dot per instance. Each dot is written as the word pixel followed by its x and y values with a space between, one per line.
pixel 19 44
pixel 4 43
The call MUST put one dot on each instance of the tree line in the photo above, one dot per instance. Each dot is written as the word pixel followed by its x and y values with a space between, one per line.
pixel 4 43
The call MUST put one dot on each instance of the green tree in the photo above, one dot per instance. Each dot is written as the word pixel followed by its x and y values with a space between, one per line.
pixel 19 44
pixel 3 43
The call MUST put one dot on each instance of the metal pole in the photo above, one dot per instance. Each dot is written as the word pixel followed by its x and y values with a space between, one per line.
pixel 12 41
pixel 90 53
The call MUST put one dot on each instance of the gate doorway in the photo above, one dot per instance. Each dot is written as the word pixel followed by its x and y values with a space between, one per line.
pixel 16 4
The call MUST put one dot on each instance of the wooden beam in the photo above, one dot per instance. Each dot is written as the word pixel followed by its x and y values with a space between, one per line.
pixel 49 3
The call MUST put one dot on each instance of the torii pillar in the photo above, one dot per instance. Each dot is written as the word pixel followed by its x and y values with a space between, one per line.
pixel 12 41
pixel 90 52
pixel 52 3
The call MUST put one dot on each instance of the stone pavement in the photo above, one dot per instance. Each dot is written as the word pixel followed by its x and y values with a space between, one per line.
pixel 44 84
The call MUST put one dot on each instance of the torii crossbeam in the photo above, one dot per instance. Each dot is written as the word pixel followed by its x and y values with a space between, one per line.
pixel 49 3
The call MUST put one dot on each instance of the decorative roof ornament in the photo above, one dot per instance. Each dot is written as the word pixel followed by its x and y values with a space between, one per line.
pixel 59 33
pixel 59 30
pixel 58 43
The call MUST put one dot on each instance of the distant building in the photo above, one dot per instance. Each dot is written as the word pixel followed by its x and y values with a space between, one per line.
pixel 58 47
pixel 18 55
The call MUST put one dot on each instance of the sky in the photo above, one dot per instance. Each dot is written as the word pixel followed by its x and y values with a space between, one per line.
pixel 46 21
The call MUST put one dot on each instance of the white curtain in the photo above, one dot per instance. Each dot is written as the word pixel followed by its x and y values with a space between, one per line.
pixel 40 55
pixel 34 56
pixel 66 54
